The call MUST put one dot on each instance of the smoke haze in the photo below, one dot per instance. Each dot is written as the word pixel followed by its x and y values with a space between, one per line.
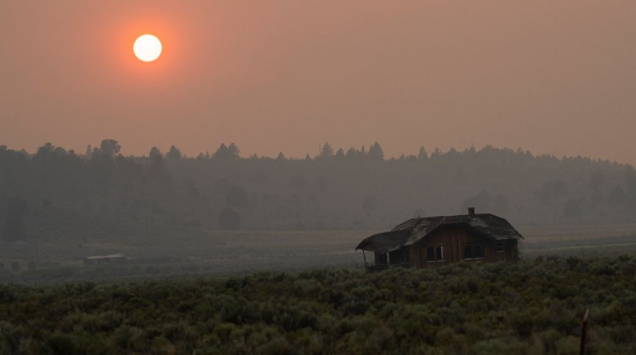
pixel 550 77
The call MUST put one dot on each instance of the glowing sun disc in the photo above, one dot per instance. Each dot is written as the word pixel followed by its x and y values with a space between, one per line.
pixel 147 48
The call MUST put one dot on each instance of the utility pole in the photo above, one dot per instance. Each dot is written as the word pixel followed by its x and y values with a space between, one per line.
pixel 365 260
pixel 584 330
pixel 37 252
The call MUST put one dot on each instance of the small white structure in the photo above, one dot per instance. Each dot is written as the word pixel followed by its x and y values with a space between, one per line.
pixel 106 259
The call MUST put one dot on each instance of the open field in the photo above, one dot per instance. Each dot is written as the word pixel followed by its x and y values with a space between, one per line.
pixel 246 252
pixel 580 240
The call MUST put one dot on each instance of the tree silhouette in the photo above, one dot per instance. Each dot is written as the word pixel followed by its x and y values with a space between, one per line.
pixel 422 155
pixel 229 219
pixel 551 190
pixel 237 197
pixel 325 151
pixel 572 209
pixel 224 152
pixel 14 228
pixel 155 153
pixel 523 187
pixel 617 197
pixel 297 181
pixel 375 152
pixel 481 202
pixel 340 155
pixel 597 179
pixel 174 153
pixel 156 170
pixel 109 147
pixel 322 183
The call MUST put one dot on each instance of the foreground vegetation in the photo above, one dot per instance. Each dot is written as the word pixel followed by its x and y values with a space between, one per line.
pixel 531 307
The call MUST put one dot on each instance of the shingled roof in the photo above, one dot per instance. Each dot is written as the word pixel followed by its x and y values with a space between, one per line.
pixel 409 232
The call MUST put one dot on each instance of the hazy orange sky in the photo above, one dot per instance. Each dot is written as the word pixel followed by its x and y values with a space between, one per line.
pixel 554 77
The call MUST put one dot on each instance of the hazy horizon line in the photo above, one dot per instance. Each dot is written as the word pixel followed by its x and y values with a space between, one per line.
pixel 363 148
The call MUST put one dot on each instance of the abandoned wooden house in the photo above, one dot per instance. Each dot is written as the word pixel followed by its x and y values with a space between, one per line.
pixel 434 241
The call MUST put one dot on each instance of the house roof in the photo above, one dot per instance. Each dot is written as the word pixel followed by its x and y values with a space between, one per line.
pixel 411 231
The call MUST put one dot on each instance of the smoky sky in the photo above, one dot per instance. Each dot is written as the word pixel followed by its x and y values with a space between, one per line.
pixel 555 77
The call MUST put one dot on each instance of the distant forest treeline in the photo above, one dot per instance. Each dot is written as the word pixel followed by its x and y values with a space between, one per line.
pixel 335 189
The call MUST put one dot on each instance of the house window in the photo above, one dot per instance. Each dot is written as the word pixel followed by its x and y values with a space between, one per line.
pixel 430 254
pixel 383 260
pixel 439 252
pixel 499 247
pixel 478 250
pixel 473 251
pixel 435 254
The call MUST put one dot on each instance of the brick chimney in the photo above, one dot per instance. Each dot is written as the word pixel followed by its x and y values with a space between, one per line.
pixel 471 211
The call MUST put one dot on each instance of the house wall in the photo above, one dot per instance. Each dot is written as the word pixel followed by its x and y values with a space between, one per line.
pixel 380 258
pixel 400 256
pixel 453 239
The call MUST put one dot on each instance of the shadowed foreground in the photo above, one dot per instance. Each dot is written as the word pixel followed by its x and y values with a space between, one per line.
pixel 532 307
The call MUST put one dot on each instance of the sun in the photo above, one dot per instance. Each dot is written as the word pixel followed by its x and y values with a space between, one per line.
pixel 147 48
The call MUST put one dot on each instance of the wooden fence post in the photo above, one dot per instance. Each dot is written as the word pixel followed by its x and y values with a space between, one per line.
pixel 365 259
pixel 584 330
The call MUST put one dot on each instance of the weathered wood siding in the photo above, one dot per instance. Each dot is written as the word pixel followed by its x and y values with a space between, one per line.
pixel 380 258
pixel 453 239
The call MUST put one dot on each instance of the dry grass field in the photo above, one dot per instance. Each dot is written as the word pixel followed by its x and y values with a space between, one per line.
pixel 579 239
pixel 221 253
